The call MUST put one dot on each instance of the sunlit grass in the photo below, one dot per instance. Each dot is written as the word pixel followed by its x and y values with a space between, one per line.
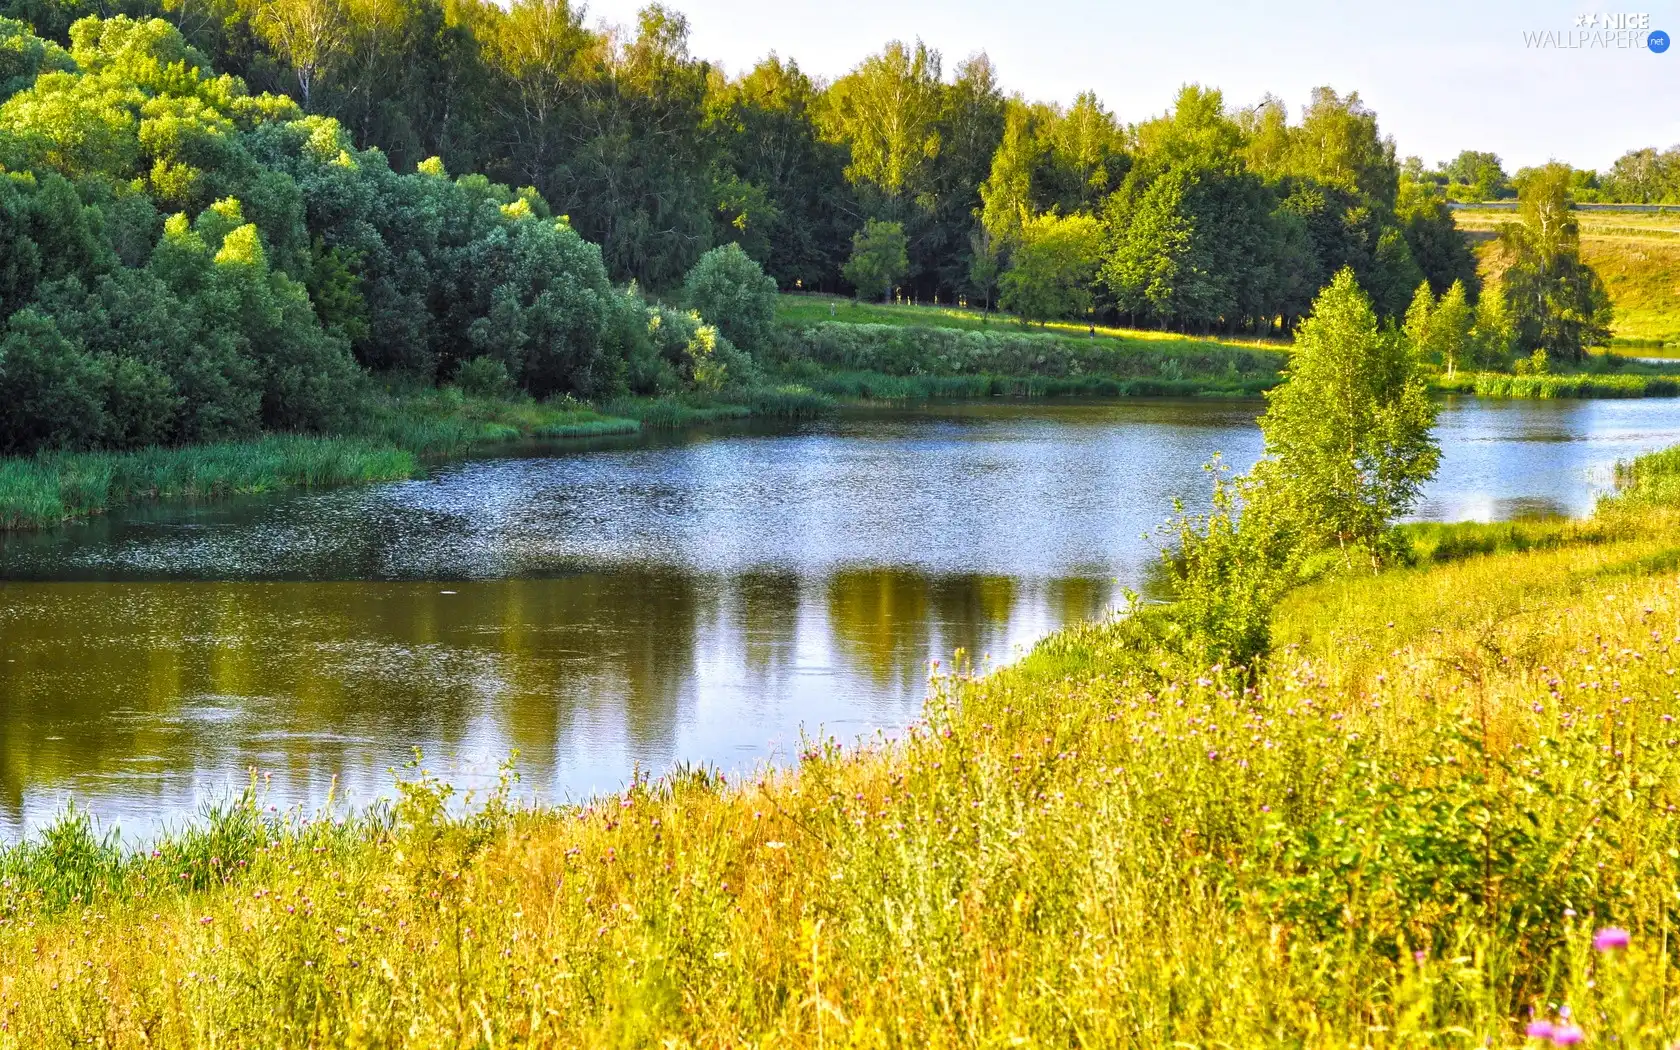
pixel 805 309
pixel 1572 385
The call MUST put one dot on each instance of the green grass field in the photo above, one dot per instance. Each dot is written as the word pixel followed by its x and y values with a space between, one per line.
pixel 802 309
pixel 1638 256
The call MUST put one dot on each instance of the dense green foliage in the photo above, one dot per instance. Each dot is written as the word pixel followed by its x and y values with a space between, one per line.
pixel 878 261
pixel 187 262
pixel 732 293
pixel 657 157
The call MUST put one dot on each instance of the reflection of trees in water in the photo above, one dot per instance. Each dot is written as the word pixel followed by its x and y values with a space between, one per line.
pixel 145 685
pixel 767 610
pixel 175 678
pixel 888 623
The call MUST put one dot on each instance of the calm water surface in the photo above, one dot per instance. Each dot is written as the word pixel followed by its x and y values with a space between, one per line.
pixel 632 603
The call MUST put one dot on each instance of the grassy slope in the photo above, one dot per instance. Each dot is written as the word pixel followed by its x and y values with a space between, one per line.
pixel 1637 255
pixel 815 309
pixel 1403 835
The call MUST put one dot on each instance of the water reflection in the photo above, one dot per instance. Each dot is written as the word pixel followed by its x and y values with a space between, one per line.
pixel 634 603
pixel 137 698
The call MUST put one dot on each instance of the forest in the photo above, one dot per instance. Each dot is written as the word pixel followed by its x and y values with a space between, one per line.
pixel 222 218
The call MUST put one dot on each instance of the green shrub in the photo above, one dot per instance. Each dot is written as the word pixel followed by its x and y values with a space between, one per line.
pixel 732 293
pixel 484 377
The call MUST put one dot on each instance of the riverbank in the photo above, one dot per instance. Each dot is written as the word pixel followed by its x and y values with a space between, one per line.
pixel 400 433
pixel 818 370
pixel 1408 828
pixel 404 430
pixel 1649 382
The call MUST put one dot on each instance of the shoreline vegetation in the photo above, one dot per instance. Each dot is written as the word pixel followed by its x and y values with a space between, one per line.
pixel 816 368
pixel 1417 817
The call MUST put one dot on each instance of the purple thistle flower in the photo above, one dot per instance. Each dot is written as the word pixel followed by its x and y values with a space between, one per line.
pixel 1610 939
pixel 1539 1030
pixel 1567 1035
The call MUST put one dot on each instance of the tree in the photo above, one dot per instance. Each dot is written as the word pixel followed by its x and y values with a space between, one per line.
pixel 878 259
pixel 769 140
pixel 887 111
pixel 1440 331
pixel 1437 245
pixel 732 293
pixel 1347 436
pixel 1051 273
pixel 984 264
pixel 1492 342
pixel 1556 302
pixel 1481 173
pixel 309 34
pixel 1449 329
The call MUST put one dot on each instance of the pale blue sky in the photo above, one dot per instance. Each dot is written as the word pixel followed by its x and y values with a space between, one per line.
pixel 1442 76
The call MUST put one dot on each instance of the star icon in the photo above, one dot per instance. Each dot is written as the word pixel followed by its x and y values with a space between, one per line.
pixel 1586 20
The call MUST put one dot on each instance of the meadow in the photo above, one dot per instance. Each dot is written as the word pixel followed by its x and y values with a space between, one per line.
pixel 1637 254
pixel 1441 812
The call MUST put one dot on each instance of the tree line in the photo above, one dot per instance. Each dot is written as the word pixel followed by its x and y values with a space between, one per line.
pixel 1208 217
pixel 187 255
pixel 1639 176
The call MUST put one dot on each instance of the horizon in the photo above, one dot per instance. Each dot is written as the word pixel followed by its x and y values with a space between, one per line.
pixel 1585 106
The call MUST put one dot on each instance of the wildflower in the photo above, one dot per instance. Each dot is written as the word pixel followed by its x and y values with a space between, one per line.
pixel 1610 939
pixel 1567 1035
pixel 1540 1030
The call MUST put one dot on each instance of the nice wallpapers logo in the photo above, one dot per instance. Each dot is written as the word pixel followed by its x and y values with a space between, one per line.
pixel 1622 31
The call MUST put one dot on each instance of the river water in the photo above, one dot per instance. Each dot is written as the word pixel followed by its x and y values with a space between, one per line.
pixel 632 603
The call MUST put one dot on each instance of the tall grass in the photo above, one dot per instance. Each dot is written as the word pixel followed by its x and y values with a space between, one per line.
pixel 52 487
pixel 1404 830
pixel 784 401
pixel 908 351
pixel 396 434
pixel 1574 385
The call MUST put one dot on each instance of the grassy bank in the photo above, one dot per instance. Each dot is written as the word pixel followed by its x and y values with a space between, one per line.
pixel 54 487
pixel 950 359
pixel 1573 385
pixel 803 310
pixel 1405 831
pixel 814 370
pixel 397 435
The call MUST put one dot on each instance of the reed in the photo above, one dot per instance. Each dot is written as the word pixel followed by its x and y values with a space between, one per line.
pixel 50 488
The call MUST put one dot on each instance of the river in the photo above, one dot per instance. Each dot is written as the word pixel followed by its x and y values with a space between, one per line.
pixel 632 603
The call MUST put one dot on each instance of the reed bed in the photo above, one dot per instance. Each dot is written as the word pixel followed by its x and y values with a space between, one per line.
pixel 51 488
pixel 1574 385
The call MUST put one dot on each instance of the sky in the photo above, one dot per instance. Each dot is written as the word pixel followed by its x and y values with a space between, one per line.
pixel 1441 76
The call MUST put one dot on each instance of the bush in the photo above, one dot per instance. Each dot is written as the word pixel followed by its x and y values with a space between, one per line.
pixel 731 292
pixel 484 377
